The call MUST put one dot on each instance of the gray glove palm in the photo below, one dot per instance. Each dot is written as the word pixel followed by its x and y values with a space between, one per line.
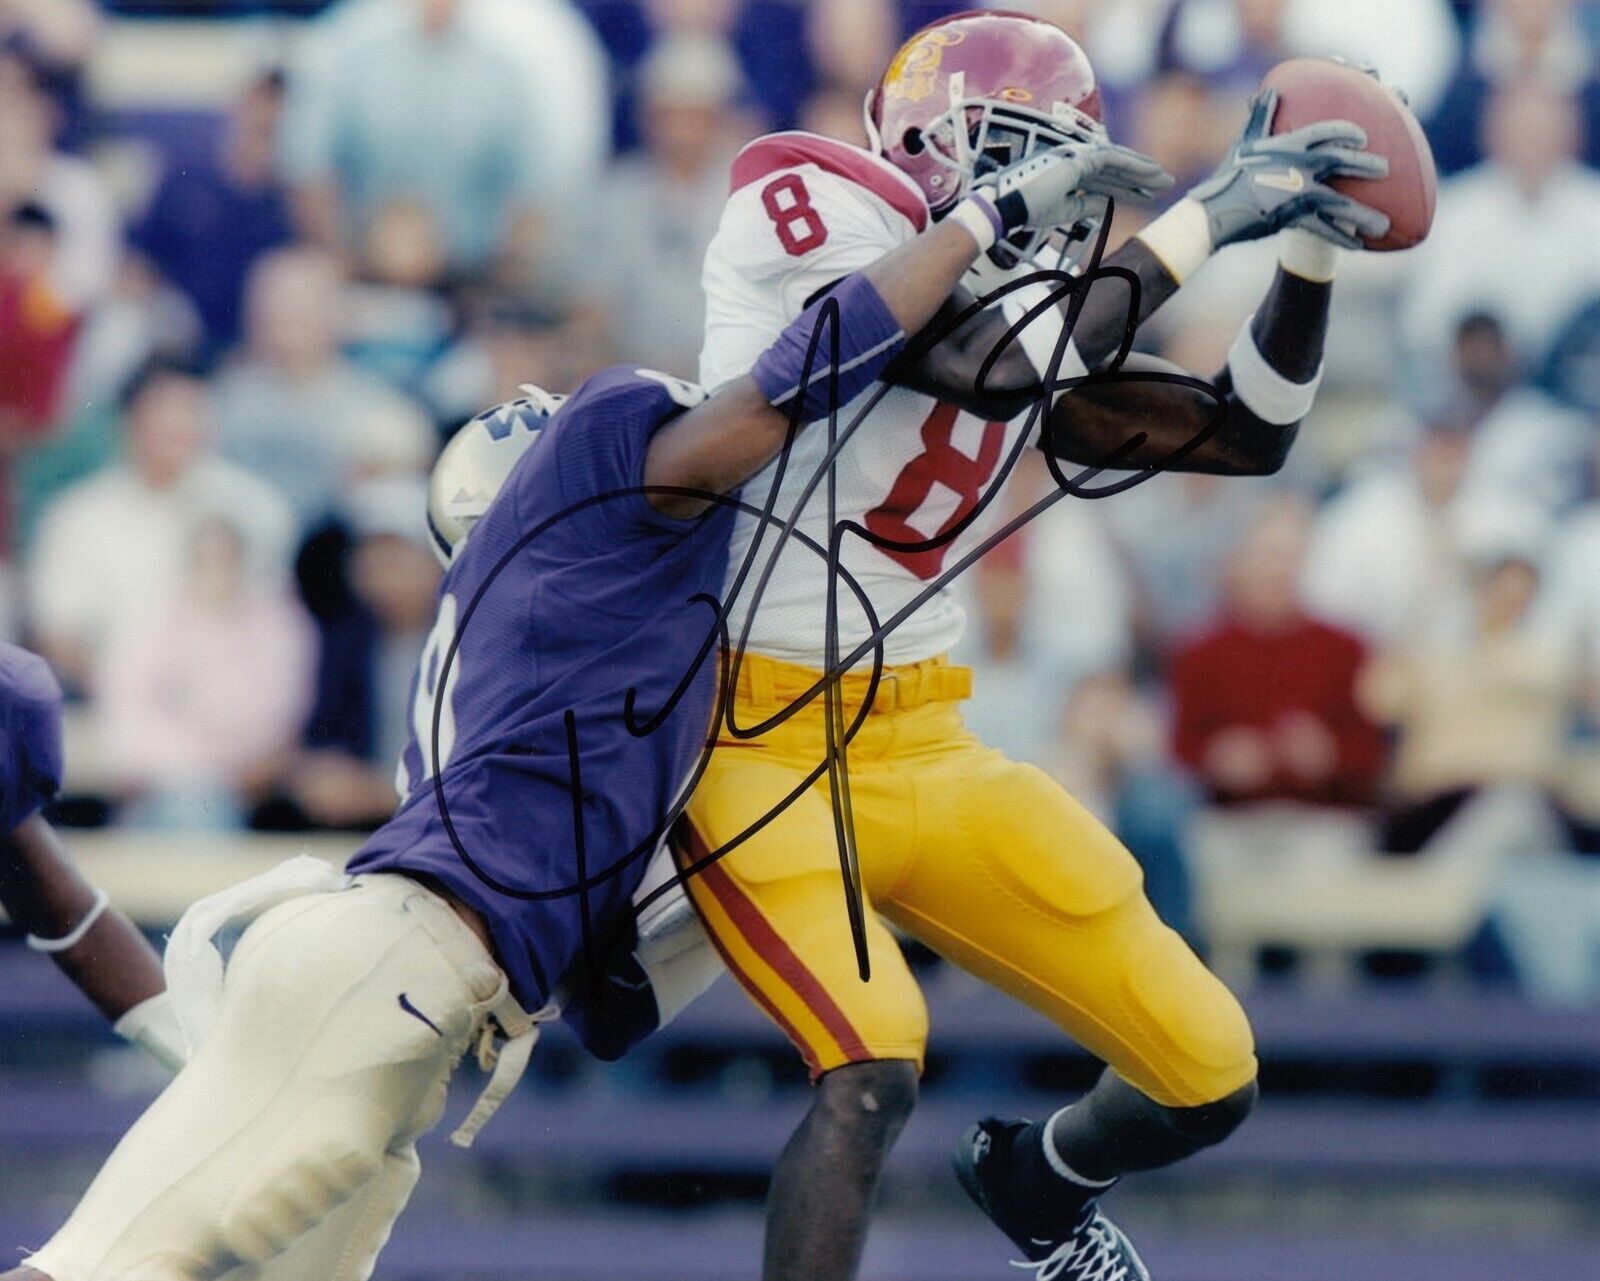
pixel 1268 182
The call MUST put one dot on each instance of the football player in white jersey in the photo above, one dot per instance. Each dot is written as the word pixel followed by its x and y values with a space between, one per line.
pixel 986 860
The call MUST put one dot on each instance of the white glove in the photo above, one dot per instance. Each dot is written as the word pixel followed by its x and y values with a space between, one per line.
pixel 1056 188
pixel 152 1025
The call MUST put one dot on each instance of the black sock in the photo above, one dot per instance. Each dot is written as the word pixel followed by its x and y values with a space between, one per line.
pixel 1044 1198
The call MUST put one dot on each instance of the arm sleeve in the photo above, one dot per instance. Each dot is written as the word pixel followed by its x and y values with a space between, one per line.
pixel 32 757
pixel 602 436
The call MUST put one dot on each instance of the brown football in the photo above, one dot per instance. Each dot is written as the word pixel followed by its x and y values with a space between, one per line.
pixel 1313 89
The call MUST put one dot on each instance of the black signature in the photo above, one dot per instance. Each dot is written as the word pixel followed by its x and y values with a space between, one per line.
pixel 839 732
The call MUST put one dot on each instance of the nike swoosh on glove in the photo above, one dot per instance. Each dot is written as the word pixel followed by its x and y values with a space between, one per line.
pixel 1268 181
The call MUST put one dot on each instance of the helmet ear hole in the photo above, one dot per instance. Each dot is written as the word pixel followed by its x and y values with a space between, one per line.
pixel 912 141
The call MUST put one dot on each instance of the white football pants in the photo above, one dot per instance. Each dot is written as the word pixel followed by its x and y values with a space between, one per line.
pixel 285 1149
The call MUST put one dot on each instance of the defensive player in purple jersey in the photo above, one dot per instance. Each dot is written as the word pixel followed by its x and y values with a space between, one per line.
pixel 95 945
pixel 558 716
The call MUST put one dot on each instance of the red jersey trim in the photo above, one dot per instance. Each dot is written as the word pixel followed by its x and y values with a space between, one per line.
pixel 786 150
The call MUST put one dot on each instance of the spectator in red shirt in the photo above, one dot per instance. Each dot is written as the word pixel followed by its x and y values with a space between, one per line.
pixel 36 331
pixel 1265 697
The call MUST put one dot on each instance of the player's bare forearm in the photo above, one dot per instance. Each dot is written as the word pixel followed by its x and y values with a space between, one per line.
pixel 1109 315
pixel 45 895
pixel 916 279
pixel 976 367
pixel 718 445
pixel 1136 422
pixel 1292 323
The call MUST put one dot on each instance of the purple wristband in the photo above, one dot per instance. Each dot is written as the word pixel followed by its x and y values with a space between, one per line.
pixel 869 338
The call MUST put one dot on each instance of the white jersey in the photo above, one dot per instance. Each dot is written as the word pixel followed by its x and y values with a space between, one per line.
pixel 805 211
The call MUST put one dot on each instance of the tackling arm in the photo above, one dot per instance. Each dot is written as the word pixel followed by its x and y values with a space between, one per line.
pixel 721 443
pixel 963 368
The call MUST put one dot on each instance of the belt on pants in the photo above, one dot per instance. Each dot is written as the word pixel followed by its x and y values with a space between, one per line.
pixel 768 682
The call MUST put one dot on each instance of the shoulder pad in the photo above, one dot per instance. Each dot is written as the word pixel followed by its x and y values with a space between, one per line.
pixel 778 151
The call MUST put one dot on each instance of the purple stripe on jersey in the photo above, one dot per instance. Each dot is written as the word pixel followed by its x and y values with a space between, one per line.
pixel 869 338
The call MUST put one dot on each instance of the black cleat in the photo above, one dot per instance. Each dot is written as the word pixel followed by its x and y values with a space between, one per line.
pixel 1088 1247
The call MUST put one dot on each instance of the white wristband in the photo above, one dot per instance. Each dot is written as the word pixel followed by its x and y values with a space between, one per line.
pixel 75 936
pixel 1181 238
pixel 152 1025
pixel 1264 391
pixel 1307 255
pixel 978 216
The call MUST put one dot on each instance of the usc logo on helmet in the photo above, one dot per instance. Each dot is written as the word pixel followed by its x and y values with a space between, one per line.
pixel 910 76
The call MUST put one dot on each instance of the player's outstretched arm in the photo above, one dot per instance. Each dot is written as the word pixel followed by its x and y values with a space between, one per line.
pixel 1265 184
pixel 95 945
pixel 721 443
pixel 1266 387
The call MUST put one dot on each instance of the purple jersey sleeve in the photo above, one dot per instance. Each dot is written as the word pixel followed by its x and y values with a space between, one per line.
pixel 620 409
pixel 30 755
pixel 864 338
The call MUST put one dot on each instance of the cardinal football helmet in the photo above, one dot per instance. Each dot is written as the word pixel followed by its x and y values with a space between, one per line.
pixel 976 92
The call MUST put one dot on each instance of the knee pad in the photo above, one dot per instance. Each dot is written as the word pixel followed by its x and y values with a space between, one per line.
pixel 1208 1048
pixel 328 1155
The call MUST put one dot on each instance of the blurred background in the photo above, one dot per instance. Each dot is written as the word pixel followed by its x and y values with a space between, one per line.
pixel 258 259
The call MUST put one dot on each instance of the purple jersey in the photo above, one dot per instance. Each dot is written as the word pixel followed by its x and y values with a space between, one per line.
pixel 30 752
pixel 571 592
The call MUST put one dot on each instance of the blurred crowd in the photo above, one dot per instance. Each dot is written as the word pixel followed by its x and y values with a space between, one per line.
pixel 239 316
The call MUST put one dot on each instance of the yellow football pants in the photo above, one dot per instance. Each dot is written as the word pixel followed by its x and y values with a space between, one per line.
pixel 987 861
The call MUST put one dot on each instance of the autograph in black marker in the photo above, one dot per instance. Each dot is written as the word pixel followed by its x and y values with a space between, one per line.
pixel 839 731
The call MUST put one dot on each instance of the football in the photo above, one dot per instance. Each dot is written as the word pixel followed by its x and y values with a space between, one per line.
pixel 1313 89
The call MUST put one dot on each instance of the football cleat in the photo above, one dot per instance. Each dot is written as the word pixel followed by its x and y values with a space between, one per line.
pixel 1089 1248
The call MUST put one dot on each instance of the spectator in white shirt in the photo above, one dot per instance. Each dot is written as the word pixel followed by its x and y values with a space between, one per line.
pixel 1389 555
pixel 111 545
pixel 1527 443
pixel 1517 237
